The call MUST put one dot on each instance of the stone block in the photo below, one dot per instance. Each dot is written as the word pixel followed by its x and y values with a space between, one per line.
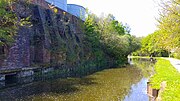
pixel 25 73
pixel 46 70
pixel 2 77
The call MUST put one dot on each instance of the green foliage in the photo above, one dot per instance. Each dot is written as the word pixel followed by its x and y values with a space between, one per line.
pixel 169 23
pixel 115 27
pixel 107 36
pixel 167 38
pixel 9 22
pixel 166 72
pixel 151 45
pixel 177 53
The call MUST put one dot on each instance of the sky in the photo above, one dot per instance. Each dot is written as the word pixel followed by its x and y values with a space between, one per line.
pixel 140 15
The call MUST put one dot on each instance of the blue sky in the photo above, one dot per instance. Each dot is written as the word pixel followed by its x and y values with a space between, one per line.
pixel 138 14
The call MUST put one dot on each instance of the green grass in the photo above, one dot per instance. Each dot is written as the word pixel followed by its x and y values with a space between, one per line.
pixel 166 72
pixel 140 57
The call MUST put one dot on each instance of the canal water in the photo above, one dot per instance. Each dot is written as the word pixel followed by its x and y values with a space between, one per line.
pixel 115 84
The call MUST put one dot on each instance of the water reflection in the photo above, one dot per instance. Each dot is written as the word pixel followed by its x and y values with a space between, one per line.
pixel 107 85
pixel 138 91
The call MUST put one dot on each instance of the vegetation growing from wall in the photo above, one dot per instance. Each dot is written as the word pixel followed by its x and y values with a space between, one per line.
pixel 108 36
pixel 9 22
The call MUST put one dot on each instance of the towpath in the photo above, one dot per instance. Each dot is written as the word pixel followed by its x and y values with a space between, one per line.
pixel 175 63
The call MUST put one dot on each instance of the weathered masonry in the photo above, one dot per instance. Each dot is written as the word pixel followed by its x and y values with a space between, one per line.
pixel 56 40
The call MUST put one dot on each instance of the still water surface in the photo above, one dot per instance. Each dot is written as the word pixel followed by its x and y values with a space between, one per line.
pixel 115 84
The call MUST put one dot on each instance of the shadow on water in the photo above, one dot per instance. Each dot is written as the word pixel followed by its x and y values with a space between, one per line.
pixel 105 85
pixel 61 86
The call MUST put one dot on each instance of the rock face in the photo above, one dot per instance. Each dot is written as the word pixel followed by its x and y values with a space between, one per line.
pixel 54 40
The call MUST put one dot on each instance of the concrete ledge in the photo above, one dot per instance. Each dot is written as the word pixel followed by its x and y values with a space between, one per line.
pixel 25 73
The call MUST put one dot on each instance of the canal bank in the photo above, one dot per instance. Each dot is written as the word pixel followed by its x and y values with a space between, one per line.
pixel 165 72
pixel 109 84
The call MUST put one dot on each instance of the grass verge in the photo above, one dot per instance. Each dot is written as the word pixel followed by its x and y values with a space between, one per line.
pixel 166 72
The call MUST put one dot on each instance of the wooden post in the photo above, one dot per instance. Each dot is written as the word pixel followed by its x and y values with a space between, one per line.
pixel 155 92
pixel 163 85
pixel 152 92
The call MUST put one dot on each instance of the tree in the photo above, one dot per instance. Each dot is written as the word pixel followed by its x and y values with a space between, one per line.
pixel 167 37
pixel 110 36
pixel 153 45
pixel 169 24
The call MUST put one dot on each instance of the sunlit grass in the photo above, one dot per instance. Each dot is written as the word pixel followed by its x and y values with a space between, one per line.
pixel 140 57
pixel 166 72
